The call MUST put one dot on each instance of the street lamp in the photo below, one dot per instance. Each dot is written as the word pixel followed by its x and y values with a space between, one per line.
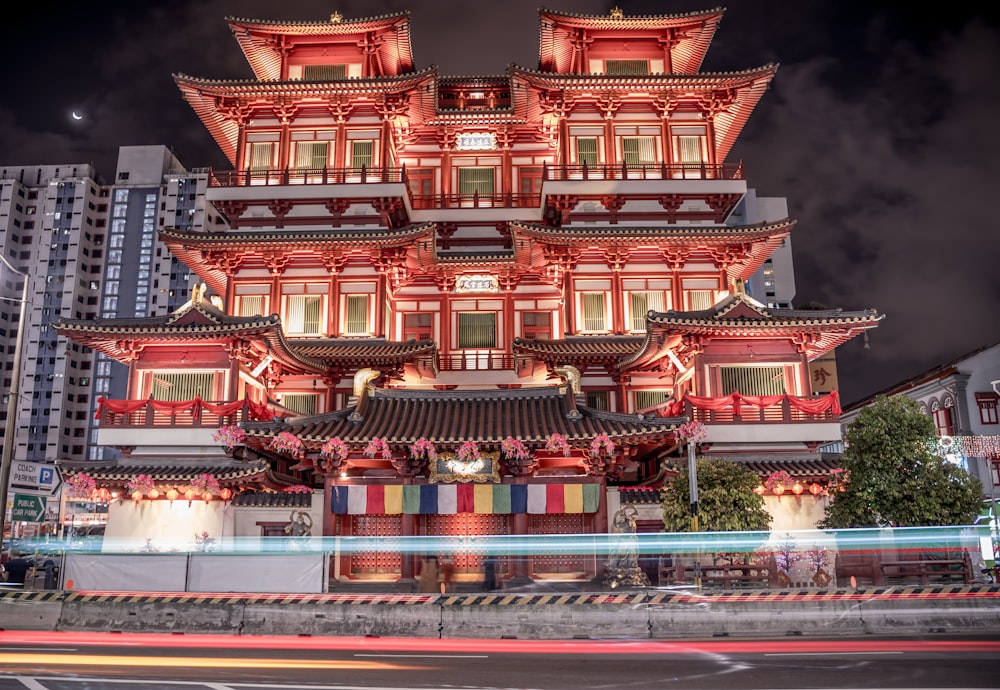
pixel 6 459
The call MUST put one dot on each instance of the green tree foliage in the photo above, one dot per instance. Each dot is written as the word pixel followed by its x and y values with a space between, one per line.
pixel 726 500
pixel 893 478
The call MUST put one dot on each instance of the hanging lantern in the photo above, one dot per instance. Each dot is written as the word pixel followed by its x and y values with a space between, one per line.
pixel 759 490
pixel 136 496
pixel 226 494
pixel 815 488
pixel 154 494
pixel 778 489
pixel 207 496
pixel 797 488
pixel 103 495
pixel 172 494
pixel 189 495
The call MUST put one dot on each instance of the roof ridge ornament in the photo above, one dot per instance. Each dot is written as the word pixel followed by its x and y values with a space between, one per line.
pixel 616 13
pixel 336 17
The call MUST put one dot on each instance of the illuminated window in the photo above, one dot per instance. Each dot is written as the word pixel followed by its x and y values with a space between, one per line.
pixel 261 155
pixel 536 325
pixel 651 398
pixel 304 315
pixel 361 154
pixel 417 326
pixel 324 72
pixel 699 300
pixel 475 181
pixel 311 155
pixel 753 380
pixel 592 308
pixel 303 403
pixel 251 305
pixel 638 150
pixel 356 320
pixel 642 302
pixel 586 151
pixel 618 67
pixel 477 329
pixel 182 385
pixel 598 400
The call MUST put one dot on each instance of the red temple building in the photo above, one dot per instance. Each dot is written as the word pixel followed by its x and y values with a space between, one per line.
pixel 469 305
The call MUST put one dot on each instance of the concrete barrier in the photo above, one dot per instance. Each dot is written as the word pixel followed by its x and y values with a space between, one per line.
pixel 634 615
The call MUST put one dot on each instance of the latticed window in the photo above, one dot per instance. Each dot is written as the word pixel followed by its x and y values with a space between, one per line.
pixel 753 380
pixel 361 154
pixel 690 149
pixel 699 300
pixel 598 400
pixel 304 315
pixel 356 321
pixel 651 398
pixel 251 305
pixel 303 403
pixel 324 72
pixel 475 180
pixel 182 385
pixel 586 150
pixel 261 155
pixel 477 329
pixel 626 67
pixel 592 305
pixel 417 326
pixel 311 155
pixel 642 302
pixel 638 150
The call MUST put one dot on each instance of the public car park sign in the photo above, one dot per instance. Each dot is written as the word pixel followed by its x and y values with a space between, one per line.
pixel 28 508
pixel 35 477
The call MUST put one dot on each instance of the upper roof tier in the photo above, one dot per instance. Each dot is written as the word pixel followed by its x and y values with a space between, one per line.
pixel 576 43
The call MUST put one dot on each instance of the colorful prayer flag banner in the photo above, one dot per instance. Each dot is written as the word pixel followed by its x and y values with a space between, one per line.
pixel 448 499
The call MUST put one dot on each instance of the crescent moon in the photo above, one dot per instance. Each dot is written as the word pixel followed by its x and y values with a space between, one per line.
pixel 77 116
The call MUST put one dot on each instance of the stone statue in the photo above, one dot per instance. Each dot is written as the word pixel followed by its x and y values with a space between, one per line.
pixel 622 568
pixel 300 525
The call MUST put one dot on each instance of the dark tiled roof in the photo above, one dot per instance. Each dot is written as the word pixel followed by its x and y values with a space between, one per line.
pixel 370 351
pixel 228 471
pixel 799 466
pixel 485 416
pixel 602 347
pixel 639 494
pixel 272 499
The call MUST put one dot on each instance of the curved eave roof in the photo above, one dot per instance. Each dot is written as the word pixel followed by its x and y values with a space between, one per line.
pixel 748 86
pixel 229 472
pixel 115 337
pixel 606 348
pixel 196 249
pixel 673 234
pixel 259 39
pixel 366 351
pixel 208 97
pixel 696 28
pixel 485 416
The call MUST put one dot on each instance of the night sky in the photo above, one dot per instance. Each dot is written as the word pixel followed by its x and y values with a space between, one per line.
pixel 880 129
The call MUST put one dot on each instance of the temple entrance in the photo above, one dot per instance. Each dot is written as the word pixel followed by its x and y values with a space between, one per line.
pixel 465 527
pixel 561 566
pixel 375 563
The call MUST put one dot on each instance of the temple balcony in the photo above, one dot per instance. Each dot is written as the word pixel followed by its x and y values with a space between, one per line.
pixel 317 183
pixel 158 426
pixel 783 419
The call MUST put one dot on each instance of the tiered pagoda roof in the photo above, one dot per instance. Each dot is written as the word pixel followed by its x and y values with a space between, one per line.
pixel 230 472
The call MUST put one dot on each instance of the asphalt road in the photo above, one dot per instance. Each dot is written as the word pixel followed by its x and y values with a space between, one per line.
pixel 92 661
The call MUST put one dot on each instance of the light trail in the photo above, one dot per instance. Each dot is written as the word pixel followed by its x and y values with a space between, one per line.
pixel 33 660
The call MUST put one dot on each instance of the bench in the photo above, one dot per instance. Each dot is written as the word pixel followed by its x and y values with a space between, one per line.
pixel 728 575
pixel 928 569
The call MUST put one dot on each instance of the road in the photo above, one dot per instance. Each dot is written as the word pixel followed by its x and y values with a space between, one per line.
pixel 92 661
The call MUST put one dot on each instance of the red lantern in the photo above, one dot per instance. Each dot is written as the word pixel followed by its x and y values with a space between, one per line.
pixel 136 496
pixel 154 494
pixel 797 488
pixel 778 489
pixel 815 488
pixel 172 494
pixel 759 490
pixel 207 496
pixel 226 494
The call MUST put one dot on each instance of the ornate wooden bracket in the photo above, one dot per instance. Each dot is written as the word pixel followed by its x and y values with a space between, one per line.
pixel 280 208
pixel 276 262
pixel 232 210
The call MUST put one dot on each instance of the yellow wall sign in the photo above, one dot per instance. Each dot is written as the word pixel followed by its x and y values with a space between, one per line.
pixel 823 373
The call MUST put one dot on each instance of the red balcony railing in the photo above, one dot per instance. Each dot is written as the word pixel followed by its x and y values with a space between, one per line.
pixel 288 176
pixel 762 409
pixel 652 171
pixel 476 200
pixel 123 414
pixel 476 361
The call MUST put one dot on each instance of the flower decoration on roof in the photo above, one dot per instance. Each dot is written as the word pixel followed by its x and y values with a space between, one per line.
pixel 692 431
pixel 469 451
pixel 297 489
pixel 206 483
pixel 287 443
pixel 334 449
pixel 378 448
pixel 140 483
pixel 557 443
pixel 81 485
pixel 777 482
pixel 602 445
pixel 422 449
pixel 229 436
pixel 514 449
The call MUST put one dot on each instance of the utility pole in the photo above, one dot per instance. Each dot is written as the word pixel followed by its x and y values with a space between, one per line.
pixel 7 458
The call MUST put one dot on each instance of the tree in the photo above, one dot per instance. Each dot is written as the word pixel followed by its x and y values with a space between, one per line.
pixel 892 479
pixel 726 499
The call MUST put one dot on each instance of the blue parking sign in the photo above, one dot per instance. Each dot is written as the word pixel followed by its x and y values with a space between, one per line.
pixel 46 476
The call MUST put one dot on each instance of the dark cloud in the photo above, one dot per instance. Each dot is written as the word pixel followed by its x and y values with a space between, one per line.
pixel 880 129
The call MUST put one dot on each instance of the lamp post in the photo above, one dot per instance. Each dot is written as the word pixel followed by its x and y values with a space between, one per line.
pixel 693 483
pixel 10 429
